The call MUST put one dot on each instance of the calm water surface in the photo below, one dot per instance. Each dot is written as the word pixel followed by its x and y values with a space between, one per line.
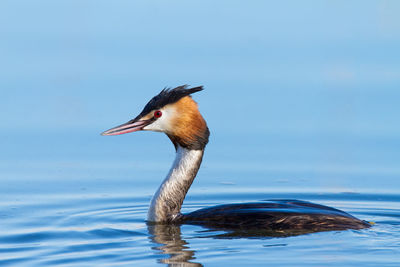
pixel 91 212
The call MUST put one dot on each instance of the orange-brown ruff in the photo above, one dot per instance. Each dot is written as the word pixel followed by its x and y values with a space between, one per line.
pixel 175 113
pixel 189 126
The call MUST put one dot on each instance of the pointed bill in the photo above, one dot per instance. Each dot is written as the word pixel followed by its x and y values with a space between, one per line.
pixel 130 126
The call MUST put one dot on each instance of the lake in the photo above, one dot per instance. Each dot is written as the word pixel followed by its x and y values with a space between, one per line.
pixel 300 105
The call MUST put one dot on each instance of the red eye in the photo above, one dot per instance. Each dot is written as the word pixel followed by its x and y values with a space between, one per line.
pixel 157 114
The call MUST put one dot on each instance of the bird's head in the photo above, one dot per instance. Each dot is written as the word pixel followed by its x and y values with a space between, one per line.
pixel 173 112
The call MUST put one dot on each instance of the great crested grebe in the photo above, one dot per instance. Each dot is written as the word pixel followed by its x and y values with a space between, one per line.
pixel 175 113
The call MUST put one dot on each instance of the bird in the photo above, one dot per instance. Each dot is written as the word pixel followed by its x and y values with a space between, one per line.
pixel 174 112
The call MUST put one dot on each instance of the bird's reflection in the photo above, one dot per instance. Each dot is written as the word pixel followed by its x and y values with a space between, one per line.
pixel 169 239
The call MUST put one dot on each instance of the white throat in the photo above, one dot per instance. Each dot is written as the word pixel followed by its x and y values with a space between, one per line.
pixel 167 201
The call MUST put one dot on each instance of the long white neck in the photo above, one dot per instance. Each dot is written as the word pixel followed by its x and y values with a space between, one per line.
pixel 167 201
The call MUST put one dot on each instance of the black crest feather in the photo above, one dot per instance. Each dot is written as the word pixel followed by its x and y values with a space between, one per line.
pixel 169 96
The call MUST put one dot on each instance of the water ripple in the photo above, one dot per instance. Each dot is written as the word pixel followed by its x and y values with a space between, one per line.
pixel 111 231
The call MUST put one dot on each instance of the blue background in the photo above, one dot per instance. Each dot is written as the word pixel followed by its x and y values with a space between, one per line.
pixel 296 86
pixel 301 66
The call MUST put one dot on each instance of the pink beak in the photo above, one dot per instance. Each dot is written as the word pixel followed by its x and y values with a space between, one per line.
pixel 129 127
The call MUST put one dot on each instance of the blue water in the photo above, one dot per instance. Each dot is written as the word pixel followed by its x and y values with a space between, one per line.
pixel 89 208
pixel 301 99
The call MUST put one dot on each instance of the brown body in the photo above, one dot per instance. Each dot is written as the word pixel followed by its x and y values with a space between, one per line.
pixel 274 217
